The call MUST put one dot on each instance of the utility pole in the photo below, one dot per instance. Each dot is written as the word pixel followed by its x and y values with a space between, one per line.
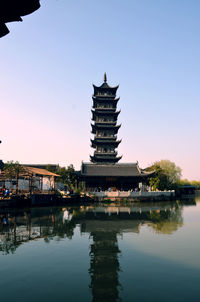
pixel 1 163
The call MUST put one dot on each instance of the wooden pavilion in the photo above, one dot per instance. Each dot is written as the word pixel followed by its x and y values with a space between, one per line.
pixel 29 177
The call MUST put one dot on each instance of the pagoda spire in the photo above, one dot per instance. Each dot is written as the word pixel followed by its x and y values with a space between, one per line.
pixel 105 78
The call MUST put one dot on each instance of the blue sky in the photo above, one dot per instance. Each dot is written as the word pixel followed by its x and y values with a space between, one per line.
pixel 50 60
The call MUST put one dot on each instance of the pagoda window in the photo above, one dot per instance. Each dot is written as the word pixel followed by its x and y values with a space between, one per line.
pixel 108 119
pixel 105 105
pixel 102 134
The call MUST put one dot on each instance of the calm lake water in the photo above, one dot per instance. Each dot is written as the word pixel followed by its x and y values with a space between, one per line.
pixel 130 252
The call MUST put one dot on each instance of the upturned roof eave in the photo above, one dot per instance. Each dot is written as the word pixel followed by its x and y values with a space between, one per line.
pixel 100 111
pixel 105 86
pixel 106 141
pixel 102 97
pixel 105 125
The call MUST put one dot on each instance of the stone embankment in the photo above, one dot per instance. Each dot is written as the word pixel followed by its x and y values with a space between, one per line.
pixel 129 195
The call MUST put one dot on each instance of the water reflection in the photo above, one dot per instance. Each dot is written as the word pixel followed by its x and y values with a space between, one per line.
pixel 104 266
pixel 166 222
pixel 103 223
pixel 20 226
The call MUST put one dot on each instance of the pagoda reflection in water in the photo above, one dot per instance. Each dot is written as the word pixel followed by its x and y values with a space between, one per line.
pixel 104 266
pixel 103 223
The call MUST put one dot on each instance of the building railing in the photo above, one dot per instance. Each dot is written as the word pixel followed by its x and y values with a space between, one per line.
pixel 124 194
pixel 105 137
pixel 110 123
pixel 105 153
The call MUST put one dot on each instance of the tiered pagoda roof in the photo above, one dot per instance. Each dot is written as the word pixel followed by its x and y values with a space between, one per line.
pixel 104 88
pixel 105 128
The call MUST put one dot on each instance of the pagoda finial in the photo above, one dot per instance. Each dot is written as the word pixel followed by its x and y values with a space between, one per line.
pixel 105 78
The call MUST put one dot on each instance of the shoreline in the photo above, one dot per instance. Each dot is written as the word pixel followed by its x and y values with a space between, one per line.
pixel 45 200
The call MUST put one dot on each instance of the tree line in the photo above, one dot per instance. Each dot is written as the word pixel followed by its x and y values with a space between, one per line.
pixel 166 175
pixel 14 170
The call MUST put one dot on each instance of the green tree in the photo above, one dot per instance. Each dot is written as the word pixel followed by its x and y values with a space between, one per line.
pixel 186 182
pixel 195 183
pixel 67 175
pixel 166 175
pixel 12 170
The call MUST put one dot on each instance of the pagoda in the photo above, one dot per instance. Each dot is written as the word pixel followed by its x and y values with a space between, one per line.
pixel 105 128
pixel 104 172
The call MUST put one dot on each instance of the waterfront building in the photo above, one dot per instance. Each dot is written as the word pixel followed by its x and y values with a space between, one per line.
pixel 104 171
pixel 29 179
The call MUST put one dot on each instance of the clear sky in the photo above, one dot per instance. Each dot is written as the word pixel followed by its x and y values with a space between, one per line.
pixel 49 62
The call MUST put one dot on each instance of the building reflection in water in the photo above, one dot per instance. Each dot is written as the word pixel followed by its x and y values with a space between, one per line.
pixel 18 227
pixel 103 223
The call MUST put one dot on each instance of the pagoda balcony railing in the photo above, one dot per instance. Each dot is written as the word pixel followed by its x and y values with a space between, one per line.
pixel 103 153
pixel 112 109
pixel 110 123
pixel 104 121
pixel 105 116
pixel 104 95
pixel 105 111
pixel 104 108
pixel 105 137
